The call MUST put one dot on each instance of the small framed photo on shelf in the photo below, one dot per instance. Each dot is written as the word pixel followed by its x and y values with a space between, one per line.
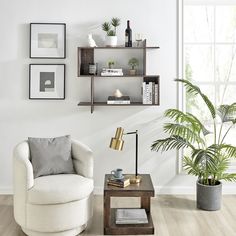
pixel 48 40
pixel 47 81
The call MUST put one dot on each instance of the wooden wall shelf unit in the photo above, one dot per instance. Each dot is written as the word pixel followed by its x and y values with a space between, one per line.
pixel 86 57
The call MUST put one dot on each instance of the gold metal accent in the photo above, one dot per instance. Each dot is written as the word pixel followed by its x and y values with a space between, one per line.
pixel 134 179
pixel 117 142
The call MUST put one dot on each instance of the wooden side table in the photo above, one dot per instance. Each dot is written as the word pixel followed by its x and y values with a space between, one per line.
pixel 144 190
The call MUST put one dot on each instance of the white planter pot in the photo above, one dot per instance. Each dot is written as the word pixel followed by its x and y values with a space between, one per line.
pixel 111 41
pixel 132 72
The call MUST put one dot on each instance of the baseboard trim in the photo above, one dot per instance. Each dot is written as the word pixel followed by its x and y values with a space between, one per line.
pixel 175 190
pixel 159 190
pixel 6 191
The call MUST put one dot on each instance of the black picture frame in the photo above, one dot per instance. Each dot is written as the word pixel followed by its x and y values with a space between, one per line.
pixel 31 47
pixel 32 96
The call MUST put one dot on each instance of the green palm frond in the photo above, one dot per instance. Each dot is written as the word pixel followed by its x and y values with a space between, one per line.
pixel 227 112
pixel 177 116
pixel 111 33
pixel 191 167
pixel 115 21
pixel 106 26
pixel 222 163
pixel 172 142
pixel 228 177
pixel 205 156
pixel 181 117
pixel 195 90
pixel 228 150
pixel 183 132
pixel 204 130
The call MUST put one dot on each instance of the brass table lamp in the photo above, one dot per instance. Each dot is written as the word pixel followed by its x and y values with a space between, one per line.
pixel 117 143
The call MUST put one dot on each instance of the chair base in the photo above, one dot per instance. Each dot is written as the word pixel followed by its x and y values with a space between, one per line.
pixel 71 232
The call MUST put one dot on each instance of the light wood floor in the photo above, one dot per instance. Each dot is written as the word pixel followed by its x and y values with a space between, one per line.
pixel 172 216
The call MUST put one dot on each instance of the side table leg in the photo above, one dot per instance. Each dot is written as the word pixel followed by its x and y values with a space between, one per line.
pixel 146 203
pixel 106 212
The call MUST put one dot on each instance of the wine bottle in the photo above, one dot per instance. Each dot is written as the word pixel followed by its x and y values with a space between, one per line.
pixel 128 36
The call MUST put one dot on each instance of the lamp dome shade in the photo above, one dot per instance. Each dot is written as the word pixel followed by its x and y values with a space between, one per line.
pixel 117 142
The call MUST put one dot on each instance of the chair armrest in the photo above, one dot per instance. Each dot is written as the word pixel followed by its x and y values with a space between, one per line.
pixel 23 170
pixel 23 180
pixel 82 159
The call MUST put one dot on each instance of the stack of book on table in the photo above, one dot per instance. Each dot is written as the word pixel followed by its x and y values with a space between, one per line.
pixel 112 72
pixel 150 93
pixel 122 183
pixel 118 100
pixel 131 216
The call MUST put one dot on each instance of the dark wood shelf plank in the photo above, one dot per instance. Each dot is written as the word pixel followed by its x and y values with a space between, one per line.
pixel 121 47
pixel 100 76
pixel 105 104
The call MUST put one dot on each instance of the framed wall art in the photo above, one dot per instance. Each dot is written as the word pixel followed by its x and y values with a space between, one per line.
pixel 47 81
pixel 48 40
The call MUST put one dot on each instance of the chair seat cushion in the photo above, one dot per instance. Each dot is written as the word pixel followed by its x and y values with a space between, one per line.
pixel 56 189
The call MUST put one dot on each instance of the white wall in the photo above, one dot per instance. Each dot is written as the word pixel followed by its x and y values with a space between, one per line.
pixel 20 117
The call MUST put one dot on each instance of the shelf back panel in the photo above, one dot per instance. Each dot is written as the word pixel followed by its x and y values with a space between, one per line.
pixel 86 56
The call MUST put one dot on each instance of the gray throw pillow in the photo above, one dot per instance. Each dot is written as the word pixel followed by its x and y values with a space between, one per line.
pixel 51 156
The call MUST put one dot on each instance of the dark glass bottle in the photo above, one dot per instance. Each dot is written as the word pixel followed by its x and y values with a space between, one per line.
pixel 128 36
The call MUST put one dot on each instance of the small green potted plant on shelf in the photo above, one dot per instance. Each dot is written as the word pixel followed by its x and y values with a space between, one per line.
pixel 210 155
pixel 133 63
pixel 110 29
pixel 110 64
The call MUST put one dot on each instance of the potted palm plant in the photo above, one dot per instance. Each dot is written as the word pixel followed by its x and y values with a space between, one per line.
pixel 110 29
pixel 210 155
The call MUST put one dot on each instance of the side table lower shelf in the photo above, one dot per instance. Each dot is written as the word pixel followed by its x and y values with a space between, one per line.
pixel 131 229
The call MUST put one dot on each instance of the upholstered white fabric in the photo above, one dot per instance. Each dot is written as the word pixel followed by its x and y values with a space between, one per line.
pixel 82 159
pixel 51 189
pixel 58 217
pixel 59 205
pixel 62 233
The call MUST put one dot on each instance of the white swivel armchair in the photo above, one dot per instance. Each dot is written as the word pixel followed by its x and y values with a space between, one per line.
pixel 54 205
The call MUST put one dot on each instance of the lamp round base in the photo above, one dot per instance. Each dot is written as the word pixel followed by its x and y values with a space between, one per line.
pixel 135 179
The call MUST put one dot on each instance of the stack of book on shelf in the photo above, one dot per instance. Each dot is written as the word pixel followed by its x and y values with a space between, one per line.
pixel 112 72
pixel 118 100
pixel 122 183
pixel 131 216
pixel 150 93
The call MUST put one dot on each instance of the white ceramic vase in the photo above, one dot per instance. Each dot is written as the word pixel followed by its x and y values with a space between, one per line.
pixel 111 41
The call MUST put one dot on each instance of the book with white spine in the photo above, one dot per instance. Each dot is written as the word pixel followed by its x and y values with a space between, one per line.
pixel 150 93
pixel 156 94
pixel 144 92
